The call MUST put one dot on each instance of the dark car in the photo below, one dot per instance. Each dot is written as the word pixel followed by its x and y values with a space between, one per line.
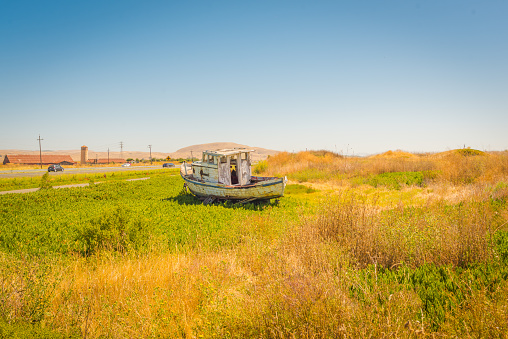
pixel 168 164
pixel 55 168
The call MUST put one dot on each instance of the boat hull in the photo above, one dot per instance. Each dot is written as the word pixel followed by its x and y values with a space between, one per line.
pixel 262 190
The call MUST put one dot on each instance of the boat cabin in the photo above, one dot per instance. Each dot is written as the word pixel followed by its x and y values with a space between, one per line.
pixel 225 166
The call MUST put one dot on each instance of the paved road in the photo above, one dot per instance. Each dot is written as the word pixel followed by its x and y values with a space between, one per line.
pixel 70 170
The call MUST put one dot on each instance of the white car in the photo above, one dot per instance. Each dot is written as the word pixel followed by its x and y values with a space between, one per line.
pixel 127 164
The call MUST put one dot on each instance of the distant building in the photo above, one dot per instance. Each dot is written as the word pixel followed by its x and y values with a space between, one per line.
pixel 84 154
pixel 25 159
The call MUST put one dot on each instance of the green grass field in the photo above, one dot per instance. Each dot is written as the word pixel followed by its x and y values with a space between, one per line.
pixel 9 184
pixel 344 254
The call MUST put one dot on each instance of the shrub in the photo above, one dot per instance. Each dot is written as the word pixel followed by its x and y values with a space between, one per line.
pixel 325 153
pixel 116 229
pixel 260 167
pixel 45 181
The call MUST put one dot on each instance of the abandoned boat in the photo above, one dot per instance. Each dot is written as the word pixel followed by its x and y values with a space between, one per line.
pixel 226 175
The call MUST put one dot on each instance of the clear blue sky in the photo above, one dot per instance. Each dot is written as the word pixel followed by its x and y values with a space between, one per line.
pixel 352 76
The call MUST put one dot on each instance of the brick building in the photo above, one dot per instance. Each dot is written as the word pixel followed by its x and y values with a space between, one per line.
pixel 25 159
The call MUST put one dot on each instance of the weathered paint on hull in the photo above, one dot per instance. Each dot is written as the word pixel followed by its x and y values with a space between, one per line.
pixel 268 189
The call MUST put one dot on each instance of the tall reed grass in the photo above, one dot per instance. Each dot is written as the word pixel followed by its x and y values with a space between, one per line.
pixel 454 167
pixel 438 233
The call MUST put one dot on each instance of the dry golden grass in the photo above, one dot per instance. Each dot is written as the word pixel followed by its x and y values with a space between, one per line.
pixel 134 297
pixel 460 169
pixel 296 288
pixel 455 167
pixel 333 167
pixel 394 154
pixel 435 233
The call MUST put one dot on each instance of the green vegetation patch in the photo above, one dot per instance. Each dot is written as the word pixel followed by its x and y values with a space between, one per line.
pixel 396 180
pixel 120 215
pixel 19 330
pixel 298 189
pixel 468 152
pixel 314 174
pixel 47 180
pixel 260 167
pixel 443 290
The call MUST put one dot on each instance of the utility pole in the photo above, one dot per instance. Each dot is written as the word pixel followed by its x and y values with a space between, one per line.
pixel 192 157
pixel 150 147
pixel 108 155
pixel 121 149
pixel 40 150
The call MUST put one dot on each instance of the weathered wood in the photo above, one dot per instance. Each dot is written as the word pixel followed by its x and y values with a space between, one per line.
pixel 247 200
pixel 239 169
pixel 265 189
pixel 209 200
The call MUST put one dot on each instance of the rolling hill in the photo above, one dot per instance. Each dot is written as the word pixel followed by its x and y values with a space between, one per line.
pixel 259 154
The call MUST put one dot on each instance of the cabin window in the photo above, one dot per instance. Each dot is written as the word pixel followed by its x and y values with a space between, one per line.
pixel 223 160
pixel 244 156
pixel 210 159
